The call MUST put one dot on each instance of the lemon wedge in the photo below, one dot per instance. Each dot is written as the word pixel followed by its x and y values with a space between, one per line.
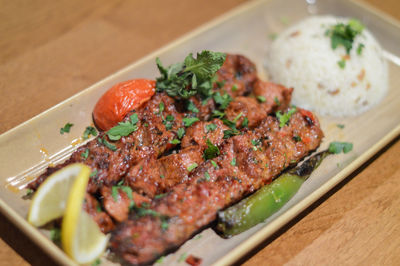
pixel 49 201
pixel 81 237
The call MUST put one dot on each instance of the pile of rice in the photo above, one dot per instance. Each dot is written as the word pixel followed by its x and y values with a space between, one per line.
pixel 302 58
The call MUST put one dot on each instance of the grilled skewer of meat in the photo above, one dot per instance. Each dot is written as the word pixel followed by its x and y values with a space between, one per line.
pixel 246 163
pixel 152 138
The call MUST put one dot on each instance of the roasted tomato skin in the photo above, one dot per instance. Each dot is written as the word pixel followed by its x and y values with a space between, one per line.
pixel 115 103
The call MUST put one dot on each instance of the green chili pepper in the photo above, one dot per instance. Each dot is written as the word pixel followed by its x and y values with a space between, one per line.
pixel 267 200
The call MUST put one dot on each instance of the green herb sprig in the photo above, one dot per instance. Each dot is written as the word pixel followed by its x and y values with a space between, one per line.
pixel 193 76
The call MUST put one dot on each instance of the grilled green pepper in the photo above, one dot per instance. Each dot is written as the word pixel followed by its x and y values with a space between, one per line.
pixel 267 200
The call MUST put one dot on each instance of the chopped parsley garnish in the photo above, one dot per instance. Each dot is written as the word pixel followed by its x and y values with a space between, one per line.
pixel 207 176
pixel 29 192
pixel 89 131
pixel 256 143
pixel 214 164
pixel 245 122
pixel 192 167
pixel 261 99
pixel 360 48
pixel 341 126
pixel 159 196
pixel 123 129
pixel 97 262
pixel 221 84
pixel 85 154
pixel 344 34
pixel 66 128
pixel 193 76
pixel 55 234
pixel 273 35
pixel 211 152
pixel 233 162
pixel 93 173
pixel 103 141
pixel 230 133
pixel 161 107
pixel 160 259
pixel 297 138
pixel 285 117
pixel 169 118
pixel 126 189
pixel 234 88
pixel 211 127
pixel 191 107
pixel 183 257
pixel 218 114
pixel 175 141
pixel 342 63
pixel 338 147
pixel 276 100
pixel 222 100
pixel 180 133
pixel 188 121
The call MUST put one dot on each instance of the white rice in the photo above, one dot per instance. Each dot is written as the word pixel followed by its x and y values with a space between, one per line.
pixel 301 57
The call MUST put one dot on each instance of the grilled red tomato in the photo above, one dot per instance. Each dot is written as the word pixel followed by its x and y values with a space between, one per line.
pixel 113 106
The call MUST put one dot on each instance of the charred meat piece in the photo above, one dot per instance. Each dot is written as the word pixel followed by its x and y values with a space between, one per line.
pixel 118 200
pixel 237 75
pixel 270 98
pixel 246 163
pixel 277 97
pixel 200 132
pixel 155 176
pixel 93 208
pixel 157 126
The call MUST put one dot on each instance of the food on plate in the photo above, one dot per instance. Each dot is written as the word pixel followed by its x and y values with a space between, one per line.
pixel 49 201
pixel 122 98
pixel 211 134
pixel 335 65
pixel 62 195
pixel 81 237
pixel 267 200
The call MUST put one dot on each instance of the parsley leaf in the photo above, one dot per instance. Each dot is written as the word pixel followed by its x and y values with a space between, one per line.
pixel 284 118
pixel 338 147
pixel 211 152
pixel 191 167
pixel 222 100
pixel 342 64
pixel 211 127
pixel 66 128
pixel 123 128
pixel 175 141
pixel 180 133
pixel 245 122
pixel 230 133
pixel 360 48
pixel 344 34
pixel 261 99
pixel 89 131
pixel 85 154
pixel 190 106
pixel 193 76
pixel 188 121
pixel 103 141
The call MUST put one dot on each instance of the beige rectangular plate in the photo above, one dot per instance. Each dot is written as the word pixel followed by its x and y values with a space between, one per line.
pixel 26 150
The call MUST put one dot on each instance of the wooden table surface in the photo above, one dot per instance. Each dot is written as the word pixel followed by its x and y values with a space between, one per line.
pixel 50 50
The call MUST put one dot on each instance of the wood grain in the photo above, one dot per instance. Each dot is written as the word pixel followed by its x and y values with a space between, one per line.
pixel 50 50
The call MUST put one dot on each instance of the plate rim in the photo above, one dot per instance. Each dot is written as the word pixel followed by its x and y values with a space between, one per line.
pixel 247 245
